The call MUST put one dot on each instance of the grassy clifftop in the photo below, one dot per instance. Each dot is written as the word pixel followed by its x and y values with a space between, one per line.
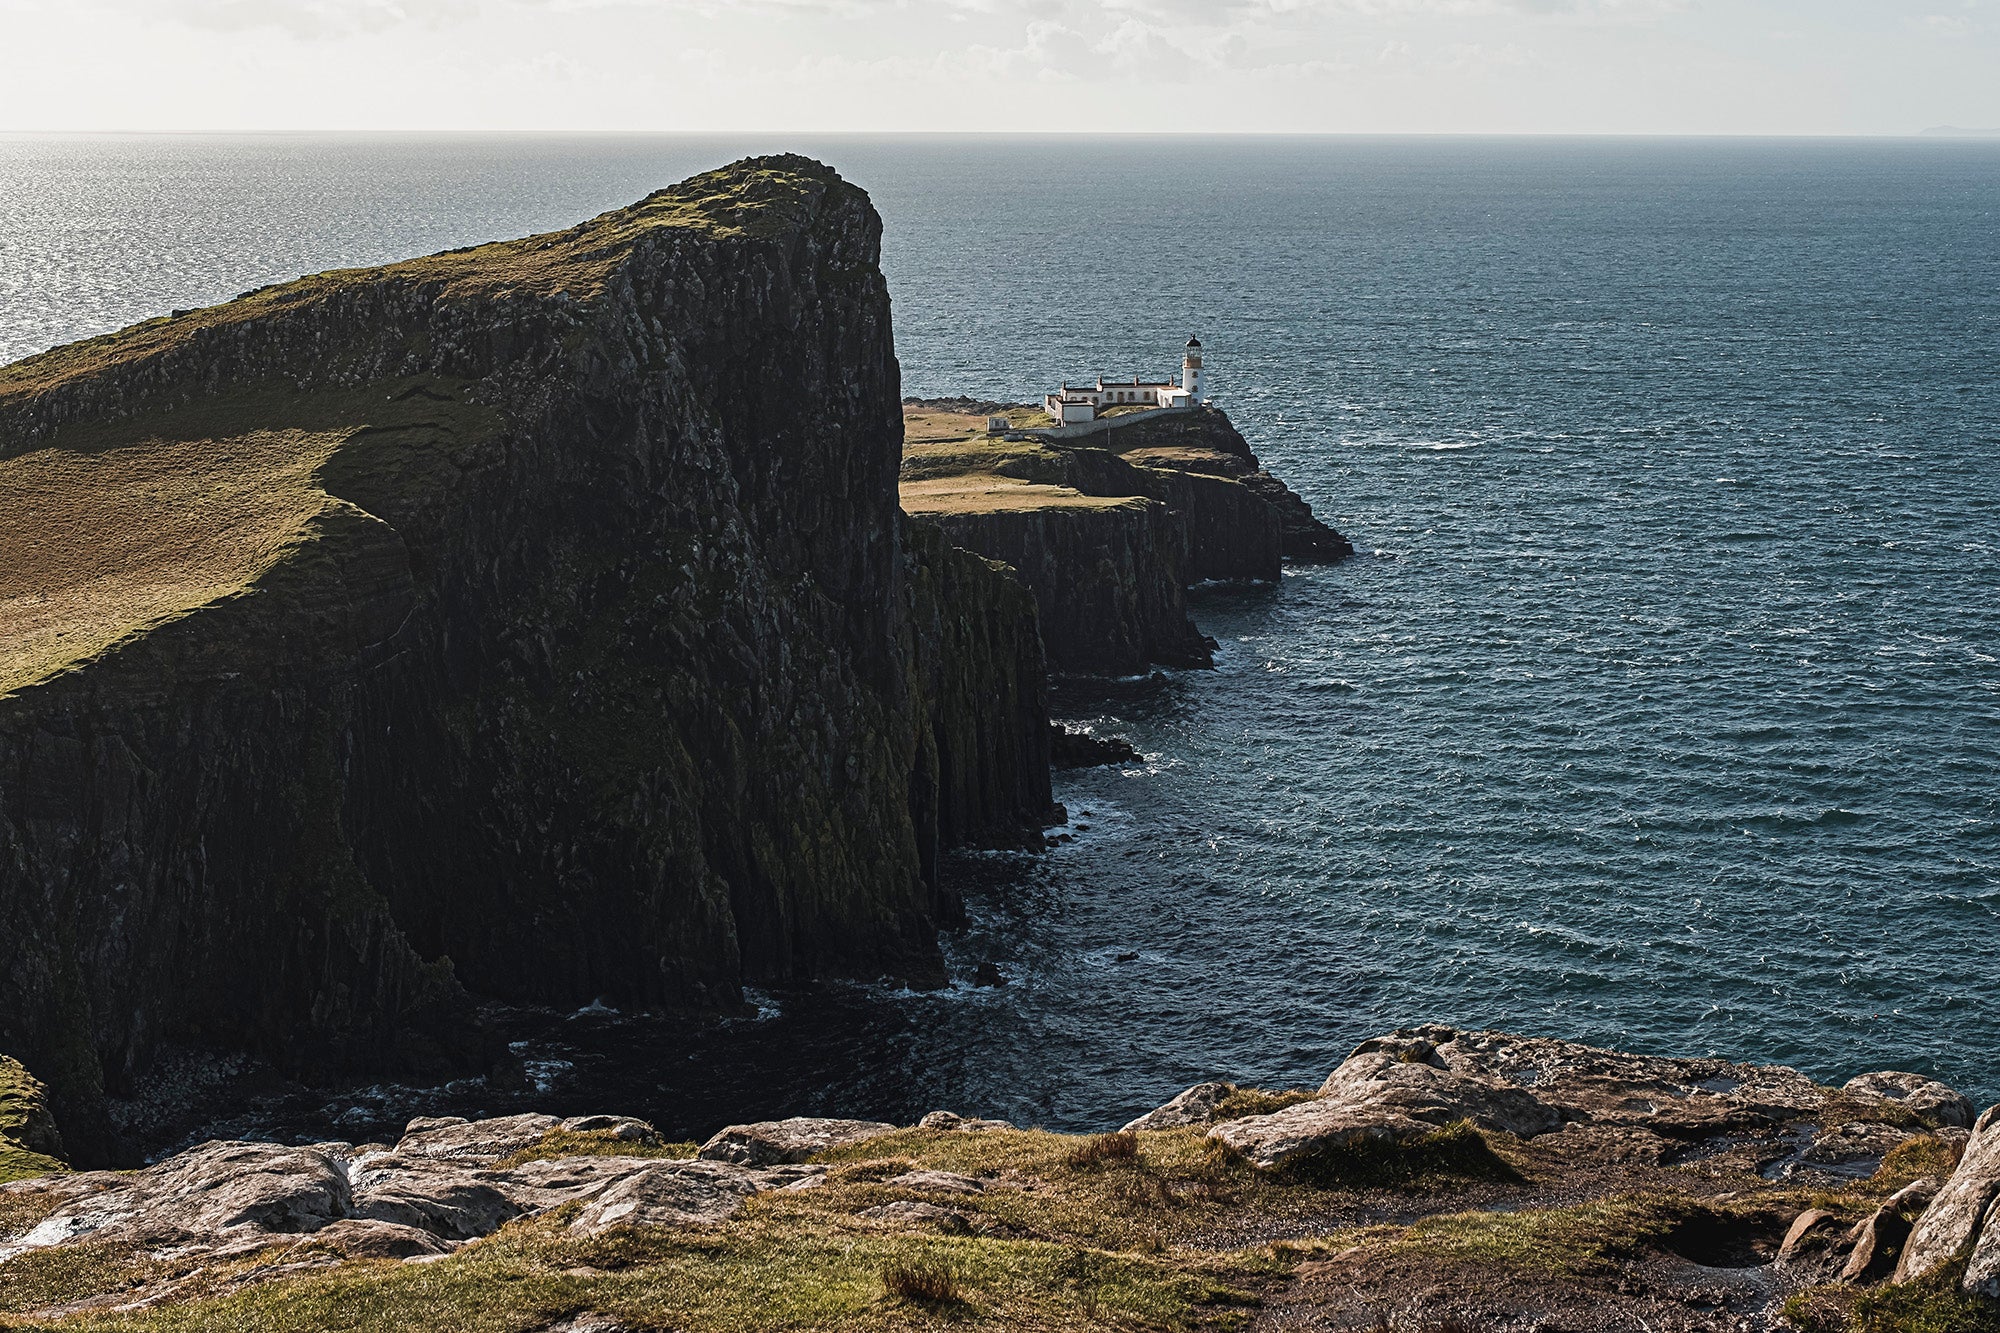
pixel 27 1135
pixel 116 530
pixel 761 198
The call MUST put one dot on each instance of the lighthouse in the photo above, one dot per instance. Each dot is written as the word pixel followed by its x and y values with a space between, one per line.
pixel 1191 371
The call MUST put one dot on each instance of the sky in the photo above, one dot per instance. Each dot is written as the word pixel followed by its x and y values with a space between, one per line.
pixel 1169 66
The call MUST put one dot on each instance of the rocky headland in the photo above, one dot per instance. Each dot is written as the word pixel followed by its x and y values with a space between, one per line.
pixel 535 621
pixel 1110 526
pixel 1439 1180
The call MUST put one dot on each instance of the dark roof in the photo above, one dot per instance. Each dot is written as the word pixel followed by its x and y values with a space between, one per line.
pixel 1193 341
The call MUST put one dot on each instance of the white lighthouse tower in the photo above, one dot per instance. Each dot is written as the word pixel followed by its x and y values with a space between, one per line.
pixel 1191 371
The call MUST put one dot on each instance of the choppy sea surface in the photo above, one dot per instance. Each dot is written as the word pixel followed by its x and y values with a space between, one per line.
pixel 1661 709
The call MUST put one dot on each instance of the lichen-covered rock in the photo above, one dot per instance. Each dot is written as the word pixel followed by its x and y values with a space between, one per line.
pixel 1618 1105
pixel 447 1198
pixel 534 619
pixel 364 1238
pixel 1685 1098
pixel 916 1213
pixel 955 1122
pixel 1311 1128
pixel 1959 1220
pixel 1438 1095
pixel 769 1142
pixel 473 1140
pixel 209 1195
pixel 1192 1107
pixel 678 1194
pixel 1927 1099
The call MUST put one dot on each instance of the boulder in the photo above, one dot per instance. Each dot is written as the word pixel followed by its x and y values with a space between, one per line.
pixel 1811 1234
pixel 218 1192
pixel 1394 1084
pixel 1853 1149
pixel 621 1127
pixel 1271 1141
pixel 954 1121
pixel 1955 1222
pixel 443 1197
pixel 942 1182
pixel 794 1140
pixel 1193 1107
pixel 1875 1241
pixel 911 1213
pixel 1680 1098
pixel 474 1140
pixel 680 1193
pixel 365 1238
pixel 1929 1100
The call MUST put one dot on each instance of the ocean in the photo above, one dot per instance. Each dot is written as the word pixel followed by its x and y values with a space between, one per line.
pixel 1660 709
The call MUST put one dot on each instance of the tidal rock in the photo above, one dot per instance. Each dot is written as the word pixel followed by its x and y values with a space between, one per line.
pixel 1956 1222
pixel 1069 748
pixel 1929 1100
pixel 793 1140
pixel 1193 1107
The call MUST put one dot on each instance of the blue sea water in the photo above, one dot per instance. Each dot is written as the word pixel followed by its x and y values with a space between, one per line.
pixel 1661 709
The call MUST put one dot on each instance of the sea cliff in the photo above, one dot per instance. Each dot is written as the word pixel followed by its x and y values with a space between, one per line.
pixel 534 621
pixel 1109 528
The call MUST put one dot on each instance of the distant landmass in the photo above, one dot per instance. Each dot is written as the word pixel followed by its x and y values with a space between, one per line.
pixel 1958 132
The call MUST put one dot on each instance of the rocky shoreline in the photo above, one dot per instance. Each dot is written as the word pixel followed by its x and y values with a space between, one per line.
pixel 1438 1179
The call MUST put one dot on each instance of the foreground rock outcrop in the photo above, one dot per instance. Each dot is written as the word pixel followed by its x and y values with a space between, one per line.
pixel 536 620
pixel 1108 529
pixel 1438 1179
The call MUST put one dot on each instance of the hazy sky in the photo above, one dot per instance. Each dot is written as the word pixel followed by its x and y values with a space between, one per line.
pixel 1621 66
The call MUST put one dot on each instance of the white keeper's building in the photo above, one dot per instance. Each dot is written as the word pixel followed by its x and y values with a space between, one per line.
pixel 1070 406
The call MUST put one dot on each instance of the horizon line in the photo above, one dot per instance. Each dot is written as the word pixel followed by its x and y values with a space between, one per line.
pixel 1935 132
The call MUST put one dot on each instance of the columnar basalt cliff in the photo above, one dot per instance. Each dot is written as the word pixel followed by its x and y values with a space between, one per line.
pixel 534 619
pixel 1109 528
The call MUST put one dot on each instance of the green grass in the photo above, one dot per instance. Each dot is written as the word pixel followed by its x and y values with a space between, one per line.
pixel 560 1143
pixel 1459 1151
pixel 116 530
pixel 21 1105
pixel 1931 1304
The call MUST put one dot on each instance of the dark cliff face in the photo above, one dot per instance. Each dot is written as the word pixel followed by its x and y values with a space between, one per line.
pixel 563 647
pixel 1109 528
